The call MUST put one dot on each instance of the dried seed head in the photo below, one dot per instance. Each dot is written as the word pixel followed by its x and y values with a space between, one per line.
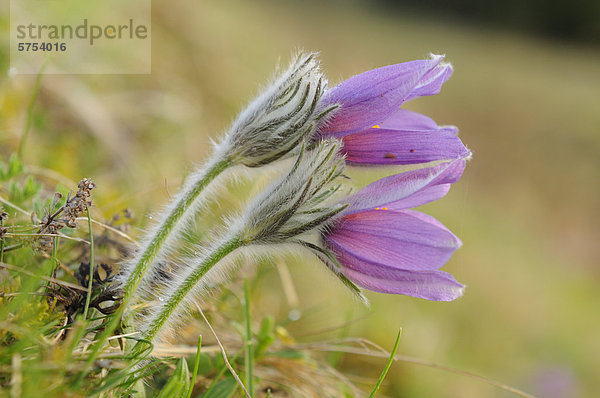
pixel 65 216
pixel 277 121
pixel 57 197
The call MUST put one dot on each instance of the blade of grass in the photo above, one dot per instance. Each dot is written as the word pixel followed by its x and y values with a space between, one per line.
pixel 196 367
pixel 122 381
pixel 249 381
pixel 55 261
pixel 55 256
pixel 89 288
pixel 126 377
pixel 344 331
pixel 77 330
pixel 29 115
pixel 416 361
pixel 42 277
pixel 1 242
pixel 387 365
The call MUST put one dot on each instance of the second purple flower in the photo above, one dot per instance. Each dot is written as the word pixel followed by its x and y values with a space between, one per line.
pixel 383 246
pixel 375 130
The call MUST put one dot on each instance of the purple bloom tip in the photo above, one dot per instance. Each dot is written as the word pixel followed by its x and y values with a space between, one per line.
pixel 404 138
pixel 385 146
pixel 371 97
pixel 396 251
pixel 409 189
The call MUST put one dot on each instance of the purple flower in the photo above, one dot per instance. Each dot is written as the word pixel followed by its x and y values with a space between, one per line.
pixel 384 247
pixel 373 128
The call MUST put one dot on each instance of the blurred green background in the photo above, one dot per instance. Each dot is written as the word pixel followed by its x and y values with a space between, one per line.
pixel 527 208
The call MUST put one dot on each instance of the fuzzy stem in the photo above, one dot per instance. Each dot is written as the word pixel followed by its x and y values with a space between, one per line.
pixel 185 201
pixel 187 285
pixel 150 251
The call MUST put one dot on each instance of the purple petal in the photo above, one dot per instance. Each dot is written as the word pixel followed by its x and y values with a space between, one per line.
pixel 428 285
pixel 371 97
pixel 406 240
pixel 431 83
pixel 404 119
pixel 389 147
pixel 373 275
pixel 409 189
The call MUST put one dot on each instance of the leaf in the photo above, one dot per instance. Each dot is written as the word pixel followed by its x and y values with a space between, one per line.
pixel 139 391
pixel 31 187
pixel 205 364
pixel 15 167
pixel 265 336
pixel 223 389
pixel 179 383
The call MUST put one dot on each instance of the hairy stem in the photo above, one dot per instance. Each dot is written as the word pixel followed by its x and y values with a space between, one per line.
pixel 148 252
pixel 184 201
pixel 184 288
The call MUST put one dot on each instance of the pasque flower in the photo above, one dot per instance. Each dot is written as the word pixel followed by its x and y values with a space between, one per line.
pixel 373 127
pixel 371 239
pixel 381 245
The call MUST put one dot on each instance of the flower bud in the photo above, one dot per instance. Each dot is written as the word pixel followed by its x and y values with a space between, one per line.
pixel 296 203
pixel 277 121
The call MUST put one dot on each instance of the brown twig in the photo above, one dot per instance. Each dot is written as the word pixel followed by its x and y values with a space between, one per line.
pixel 223 352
